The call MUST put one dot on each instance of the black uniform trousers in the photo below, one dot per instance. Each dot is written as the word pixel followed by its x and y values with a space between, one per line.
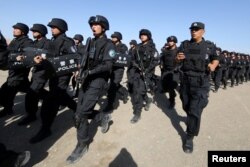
pixel 139 93
pixel 35 93
pixel 89 94
pixel 239 75
pixel 130 77
pixel 116 91
pixel 217 77
pixel 225 72
pixel 9 90
pixel 232 74
pixel 57 96
pixel 169 83
pixel 194 96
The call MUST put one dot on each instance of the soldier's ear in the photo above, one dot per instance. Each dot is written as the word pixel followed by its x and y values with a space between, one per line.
pixel 103 30
pixel 203 31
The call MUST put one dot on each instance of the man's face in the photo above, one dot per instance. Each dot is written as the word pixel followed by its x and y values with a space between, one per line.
pixel 17 32
pixel 76 41
pixel 144 38
pixel 170 44
pixel 55 31
pixel 197 33
pixel 97 30
pixel 132 45
pixel 35 34
pixel 114 40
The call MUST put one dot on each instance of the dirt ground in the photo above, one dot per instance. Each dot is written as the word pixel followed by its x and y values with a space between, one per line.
pixel 155 141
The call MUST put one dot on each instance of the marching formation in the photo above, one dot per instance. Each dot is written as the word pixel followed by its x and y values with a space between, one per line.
pixel 96 69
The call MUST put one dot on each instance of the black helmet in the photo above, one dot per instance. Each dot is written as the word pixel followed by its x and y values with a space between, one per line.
pixel 133 42
pixel 172 38
pixel 23 27
pixel 58 23
pixel 218 49
pixel 78 37
pixel 117 35
pixel 39 28
pixel 145 32
pixel 98 19
pixel 225 51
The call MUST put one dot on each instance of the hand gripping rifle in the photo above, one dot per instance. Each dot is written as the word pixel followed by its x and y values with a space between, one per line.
pixel 82 75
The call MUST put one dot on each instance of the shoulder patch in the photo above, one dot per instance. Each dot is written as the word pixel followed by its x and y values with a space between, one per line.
pixel 112 53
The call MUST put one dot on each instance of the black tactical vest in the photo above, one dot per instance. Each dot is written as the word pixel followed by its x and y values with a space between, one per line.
pixel 144 57
pixel 168 58
pixel 197 56
pixel 96 52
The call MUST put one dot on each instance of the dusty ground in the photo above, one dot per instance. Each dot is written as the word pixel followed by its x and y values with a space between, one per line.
pixel 156 141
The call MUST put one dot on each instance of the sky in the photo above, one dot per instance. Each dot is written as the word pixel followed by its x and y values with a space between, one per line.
pixel 227 22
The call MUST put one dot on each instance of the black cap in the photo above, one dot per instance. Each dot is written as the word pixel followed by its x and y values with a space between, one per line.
pixel 39 28
pixel 199 25
pixel 117 35
pixel 58 23
pixel 145 32
pixel 78 37
pixel 23 27
pixel 172 38
pixel 98 19
pixel 133 42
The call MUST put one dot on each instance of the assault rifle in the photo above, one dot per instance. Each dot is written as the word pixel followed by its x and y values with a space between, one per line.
pixel 142 69
pixel 82 75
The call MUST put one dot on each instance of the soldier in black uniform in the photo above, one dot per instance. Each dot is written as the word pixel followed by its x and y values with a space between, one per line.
pixel 240 68
pixel 39 75
pixel 218 71
pixel 225 68
pixel 18 74
pixel 146 59
pixel 168 69
pixel 97 71
pixel 78 38
pixel 116 91
pixel 60 45
pixel 131 70
pixel 198 57
pixel 247 72
pixel 243 69
pixel 232 68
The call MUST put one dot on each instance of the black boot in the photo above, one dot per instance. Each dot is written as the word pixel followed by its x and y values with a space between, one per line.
pixel 148 103
pixel 188 145
pixel 135 119
pixel 22 159
pixel 27 120
pixel 215 90
pixel 41 135
pixel 79 151
pixel 106 118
